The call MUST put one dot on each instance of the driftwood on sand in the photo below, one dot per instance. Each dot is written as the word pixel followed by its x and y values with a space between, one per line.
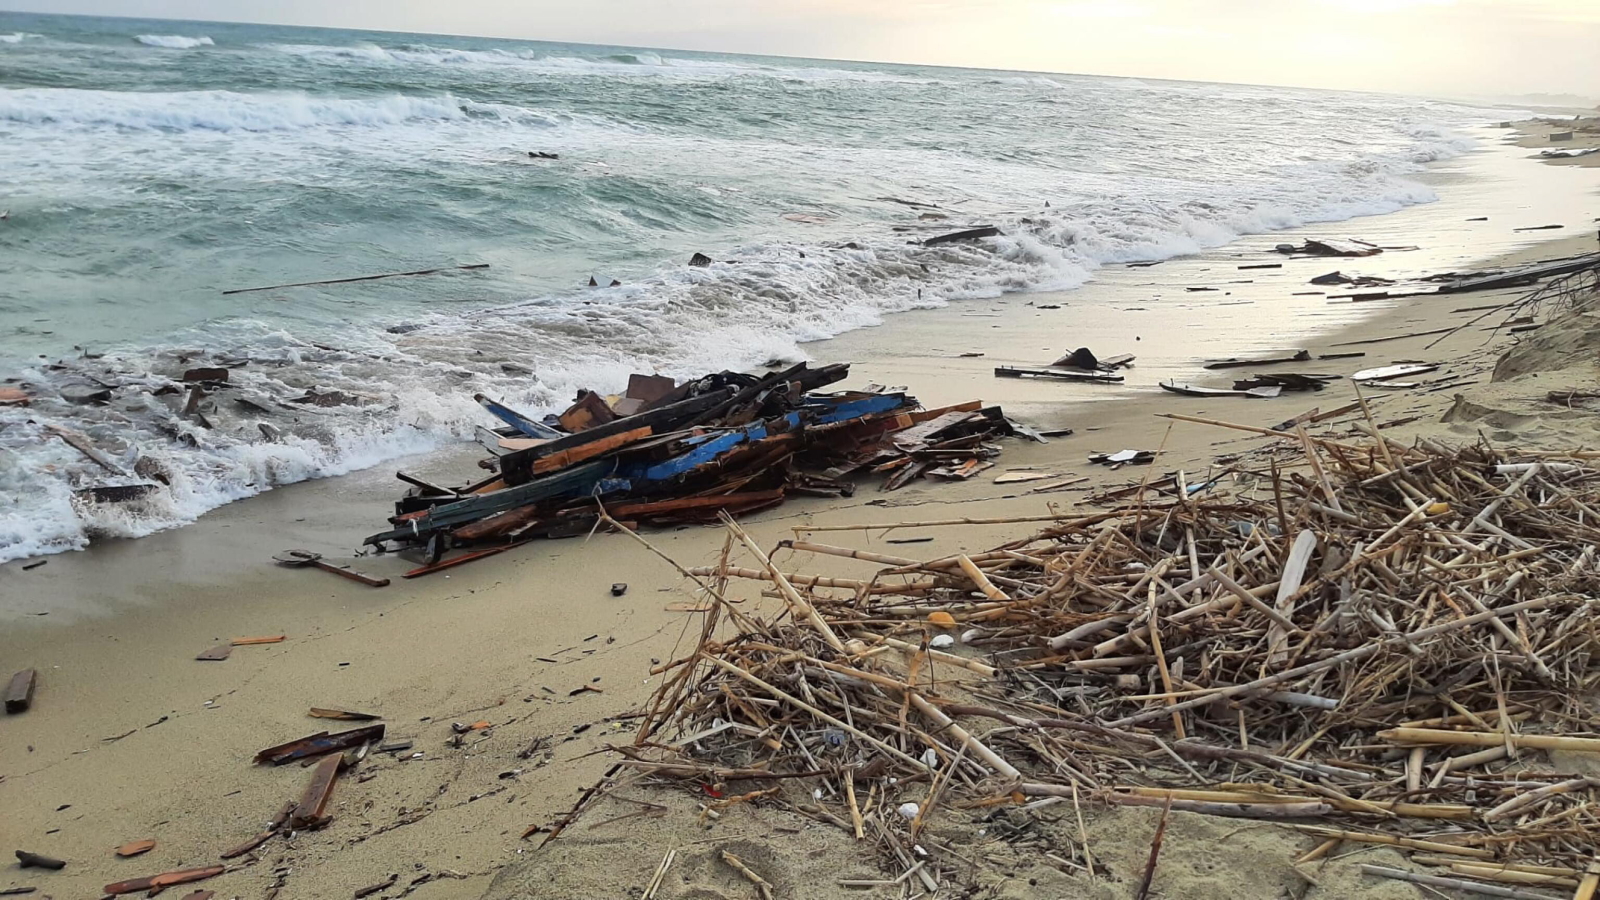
pixel 1373 641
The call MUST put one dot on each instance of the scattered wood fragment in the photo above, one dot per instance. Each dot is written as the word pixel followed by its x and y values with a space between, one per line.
pixel 27 860
pixel 135 848
pixel 318 744
pixel 320 712
pixel 970 234
pixel 156 883
pixel 311 811
pixel 19 691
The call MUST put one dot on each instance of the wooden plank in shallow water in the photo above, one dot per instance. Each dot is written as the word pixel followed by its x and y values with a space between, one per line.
pixel 1062 374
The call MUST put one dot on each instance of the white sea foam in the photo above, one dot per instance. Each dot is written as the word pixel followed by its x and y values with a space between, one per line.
pixel 761 304
pixel 17 37
pixel 174 41
pixel 634 65
pixel 225 110
pixel 1126 191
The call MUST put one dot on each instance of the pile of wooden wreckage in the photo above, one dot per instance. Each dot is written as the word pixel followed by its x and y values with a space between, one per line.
pixel 666 453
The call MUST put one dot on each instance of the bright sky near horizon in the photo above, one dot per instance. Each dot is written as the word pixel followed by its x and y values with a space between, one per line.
pixel 1444 47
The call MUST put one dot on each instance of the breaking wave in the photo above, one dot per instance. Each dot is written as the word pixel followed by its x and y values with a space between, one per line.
pixel 174 41
pixel 200 176
pixel 16 37
pixel 638 64
pixel 232 111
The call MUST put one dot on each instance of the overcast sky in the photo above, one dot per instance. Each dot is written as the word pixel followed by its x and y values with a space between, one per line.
pixel 1454 47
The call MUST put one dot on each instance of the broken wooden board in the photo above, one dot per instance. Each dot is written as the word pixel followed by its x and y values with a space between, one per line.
pixel 19 692
pixel 589 410
pixel 83 445
pixel 594 448
pixel 1297 356
pixel 1020 477
pixel 1329 247
pixel 1389 373
pixel 647 389
pixel 520 423
pixel 1521 275
pixel 1061 374
pixel 311 811
pixel 155 883
pixel 720 501
pixel 319 712
pixel 1190 390
pixel 971 234
pixel 454 561
pixel 318 744
pixel 134 848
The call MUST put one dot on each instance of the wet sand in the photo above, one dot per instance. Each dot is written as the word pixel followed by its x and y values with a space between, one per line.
pixel 131 738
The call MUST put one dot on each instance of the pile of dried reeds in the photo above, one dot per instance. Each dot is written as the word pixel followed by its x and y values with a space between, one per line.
pixel 1373 642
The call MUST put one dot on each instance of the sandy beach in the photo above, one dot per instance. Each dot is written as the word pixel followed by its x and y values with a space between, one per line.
pixel 131 738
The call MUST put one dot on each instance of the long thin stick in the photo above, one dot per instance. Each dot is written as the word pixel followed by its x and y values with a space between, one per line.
pixel 797 603
pixel 1454 884
pixel 273 287
pixel 1155 853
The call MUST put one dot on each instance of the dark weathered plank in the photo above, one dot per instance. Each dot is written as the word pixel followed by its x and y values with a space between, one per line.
pixel 19 693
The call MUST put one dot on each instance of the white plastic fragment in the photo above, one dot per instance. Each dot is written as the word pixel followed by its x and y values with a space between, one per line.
pixel 941 641
pixel 909 810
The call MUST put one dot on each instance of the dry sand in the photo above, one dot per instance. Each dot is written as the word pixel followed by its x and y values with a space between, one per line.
pixel 1535 135
pixel 132 738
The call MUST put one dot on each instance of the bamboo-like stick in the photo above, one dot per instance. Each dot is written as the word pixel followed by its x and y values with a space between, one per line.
pixel 1538 795
pixel 1511 876
pixel 801 608
pixel 763 887
pixel 954 660
pixel 855 808
pixel 1253 601
pixel 982 580
pixel 797 703
pixel 1455 884
pixel 1368 837
pixel 1490 739
pixel 1347 656
pixel 990 758
pixel 1590 883
pixel 1446 861
pixel 852 584
pixel 931 523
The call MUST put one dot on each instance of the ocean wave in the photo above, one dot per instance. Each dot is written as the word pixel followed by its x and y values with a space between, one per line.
pixel 1028 81
pixel 174 41
pixel 17 37
pixel 636 64
pixel 232 111
pixel 410 392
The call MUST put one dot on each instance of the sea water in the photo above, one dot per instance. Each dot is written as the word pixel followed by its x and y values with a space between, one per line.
pixel 147 167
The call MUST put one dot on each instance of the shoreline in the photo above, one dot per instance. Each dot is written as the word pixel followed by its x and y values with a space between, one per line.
pixel 115 652
pixel 216 454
